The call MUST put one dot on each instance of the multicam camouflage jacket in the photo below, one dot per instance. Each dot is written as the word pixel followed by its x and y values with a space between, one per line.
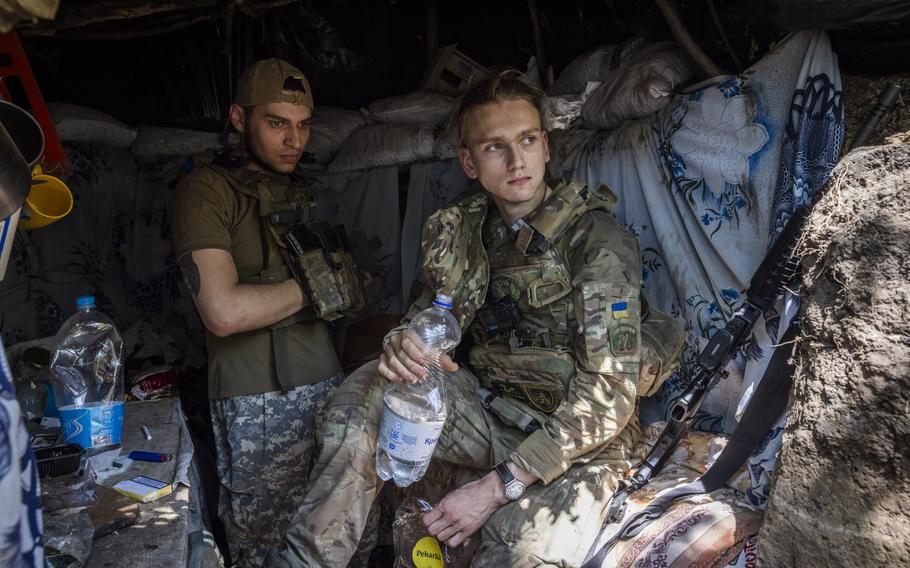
pixel 571 276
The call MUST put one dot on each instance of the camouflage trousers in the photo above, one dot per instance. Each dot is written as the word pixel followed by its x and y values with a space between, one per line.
pixel 266 445
pixel 553 525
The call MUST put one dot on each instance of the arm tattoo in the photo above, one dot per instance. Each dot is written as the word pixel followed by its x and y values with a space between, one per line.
pixel 190 273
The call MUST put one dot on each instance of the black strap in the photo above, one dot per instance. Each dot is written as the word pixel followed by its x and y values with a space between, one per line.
pixel 765 407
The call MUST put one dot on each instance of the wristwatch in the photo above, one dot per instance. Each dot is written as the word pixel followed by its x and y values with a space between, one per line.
pixel 514 488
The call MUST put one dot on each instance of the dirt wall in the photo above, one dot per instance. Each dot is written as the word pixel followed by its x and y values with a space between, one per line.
pixel 842 495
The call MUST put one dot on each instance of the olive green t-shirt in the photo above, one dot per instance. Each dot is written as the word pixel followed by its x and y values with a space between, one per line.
pixel 207 213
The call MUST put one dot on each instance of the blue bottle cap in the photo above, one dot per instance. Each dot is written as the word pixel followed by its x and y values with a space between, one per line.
pixel 443 301
pixel 85 302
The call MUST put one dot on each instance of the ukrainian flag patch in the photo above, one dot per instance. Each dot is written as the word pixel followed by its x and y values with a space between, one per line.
pixel 620 310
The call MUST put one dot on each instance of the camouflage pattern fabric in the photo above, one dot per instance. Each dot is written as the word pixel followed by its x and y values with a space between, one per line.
pixel 582 342
pixel 319 283
pixel 662 342
pixel 266 445
pixel 574 356
pixel 452 263
pixel 568 202
pixel 332 289
pixel 349 281
pixel 552 524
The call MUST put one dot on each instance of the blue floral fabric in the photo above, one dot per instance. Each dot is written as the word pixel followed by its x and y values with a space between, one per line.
pixel 20 500
pixel 114 244
pixel 706 185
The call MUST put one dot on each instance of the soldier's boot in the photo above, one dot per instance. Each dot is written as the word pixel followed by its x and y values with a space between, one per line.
pixel 343 485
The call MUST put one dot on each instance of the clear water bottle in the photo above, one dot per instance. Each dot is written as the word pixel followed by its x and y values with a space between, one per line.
pixel 413 414
pixel 87 374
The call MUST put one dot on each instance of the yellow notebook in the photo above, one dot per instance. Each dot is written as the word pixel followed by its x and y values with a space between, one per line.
pixel 143 488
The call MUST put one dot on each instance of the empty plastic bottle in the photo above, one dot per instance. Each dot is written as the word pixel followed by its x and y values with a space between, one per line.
pixel 413 414
pixel 87 374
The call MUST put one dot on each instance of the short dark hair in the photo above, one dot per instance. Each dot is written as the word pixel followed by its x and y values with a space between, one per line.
pixel 499 86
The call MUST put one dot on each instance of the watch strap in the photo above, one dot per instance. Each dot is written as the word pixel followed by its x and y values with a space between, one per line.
pixel 505 474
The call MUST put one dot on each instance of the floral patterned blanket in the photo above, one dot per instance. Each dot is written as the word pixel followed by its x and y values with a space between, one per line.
pixel 706 185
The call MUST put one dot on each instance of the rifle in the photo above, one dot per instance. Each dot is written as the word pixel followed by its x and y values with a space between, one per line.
pixel 775 271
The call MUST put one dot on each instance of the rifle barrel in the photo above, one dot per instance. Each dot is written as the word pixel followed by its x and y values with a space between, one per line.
pixel 885 103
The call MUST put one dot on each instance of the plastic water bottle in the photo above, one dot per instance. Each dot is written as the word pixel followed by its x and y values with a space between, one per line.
pixel 413 415
pixel 87 374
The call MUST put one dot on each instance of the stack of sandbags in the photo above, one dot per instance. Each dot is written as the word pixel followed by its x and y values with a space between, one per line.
pixel 75 123
pixel 154 143
pixel 637 79
pixel 395 130
pixel 329 130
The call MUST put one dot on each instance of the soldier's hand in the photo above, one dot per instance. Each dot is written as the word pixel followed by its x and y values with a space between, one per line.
pixel 464 511
pixel 402 360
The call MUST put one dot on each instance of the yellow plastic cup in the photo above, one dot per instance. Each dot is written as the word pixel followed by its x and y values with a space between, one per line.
pixel 48 200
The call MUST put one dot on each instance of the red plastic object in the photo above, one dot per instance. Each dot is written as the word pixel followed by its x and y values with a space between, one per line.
pixel 14 63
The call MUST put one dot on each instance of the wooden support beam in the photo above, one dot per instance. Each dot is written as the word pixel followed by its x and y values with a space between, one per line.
pixel 432 31
pixel 670 10
pixel 538 45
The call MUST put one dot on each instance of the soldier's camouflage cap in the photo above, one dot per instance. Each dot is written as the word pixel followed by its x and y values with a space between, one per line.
pixel 266 82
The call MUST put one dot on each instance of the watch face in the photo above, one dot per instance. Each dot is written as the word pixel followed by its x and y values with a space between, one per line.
pixel 515 490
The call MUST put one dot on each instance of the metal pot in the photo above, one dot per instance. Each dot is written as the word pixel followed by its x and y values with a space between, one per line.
pixel 21 147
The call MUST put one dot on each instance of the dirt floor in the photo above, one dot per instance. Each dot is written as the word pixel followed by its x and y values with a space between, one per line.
pixel 842 496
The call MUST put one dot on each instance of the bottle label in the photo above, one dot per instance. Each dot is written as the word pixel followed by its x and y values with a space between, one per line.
pixel 408 440
pixel 93 425
pixel 427 553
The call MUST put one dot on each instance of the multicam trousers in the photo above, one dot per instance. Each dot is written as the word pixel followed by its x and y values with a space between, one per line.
pixel 552 525
pixel 266 445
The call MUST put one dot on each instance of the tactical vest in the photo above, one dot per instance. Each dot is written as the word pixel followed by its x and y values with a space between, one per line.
pixel 271 195
pixel 534 362
pixel 295 225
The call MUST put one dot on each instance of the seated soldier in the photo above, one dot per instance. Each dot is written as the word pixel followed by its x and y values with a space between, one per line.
pixel 551 268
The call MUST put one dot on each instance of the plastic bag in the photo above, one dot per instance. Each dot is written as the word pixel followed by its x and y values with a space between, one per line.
pixel 561 112
pixel 413 542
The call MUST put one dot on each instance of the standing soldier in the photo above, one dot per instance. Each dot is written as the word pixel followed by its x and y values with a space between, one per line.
pixel 272 365
pixel 547 283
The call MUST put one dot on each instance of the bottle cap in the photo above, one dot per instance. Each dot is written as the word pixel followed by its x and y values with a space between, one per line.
pixel 85 302
pixel 443 301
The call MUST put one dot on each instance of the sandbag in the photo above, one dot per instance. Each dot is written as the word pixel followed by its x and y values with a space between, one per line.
pixel 595 65
pixel 153 143
pixel 374 145
pixel 640 86
pixel 14 11
pixel 419 107
pixel 330 128
pixel 446 144
pixel 75 123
